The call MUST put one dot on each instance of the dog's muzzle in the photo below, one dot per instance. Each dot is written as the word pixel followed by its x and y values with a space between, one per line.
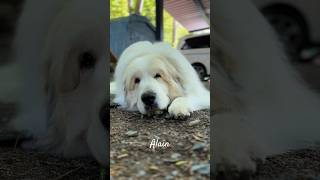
pixel 103 115
pixel 149 100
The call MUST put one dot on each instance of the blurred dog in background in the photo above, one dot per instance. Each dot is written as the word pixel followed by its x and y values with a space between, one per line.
pixel 260 106
pixel 60 71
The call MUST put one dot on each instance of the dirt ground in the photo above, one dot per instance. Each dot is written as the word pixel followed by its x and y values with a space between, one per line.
pixel 131 155
pixel 16 163
pixel 20 164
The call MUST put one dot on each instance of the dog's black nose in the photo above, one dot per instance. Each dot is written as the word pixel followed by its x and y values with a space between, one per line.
pixel 148 98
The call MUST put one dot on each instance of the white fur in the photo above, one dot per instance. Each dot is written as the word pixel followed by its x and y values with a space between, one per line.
pixel 143 58
pixel 269 109
pixel 9 86
pixel 60 103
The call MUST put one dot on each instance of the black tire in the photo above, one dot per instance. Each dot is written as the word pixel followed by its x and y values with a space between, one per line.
pixel 290 26
pixel 200 69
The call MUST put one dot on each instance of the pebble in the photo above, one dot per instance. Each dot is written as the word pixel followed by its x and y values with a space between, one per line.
pixel 141 173
pixel 194 122
pixel 131 133
pixel 122 156
pixel 153 168
pixel 175 156
pixel 169 177
pixel 199 146
pixel 203 169
pixel 174 173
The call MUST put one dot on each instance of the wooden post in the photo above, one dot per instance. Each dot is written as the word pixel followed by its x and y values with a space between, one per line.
pixel 174 31
pixel 130 6
pixel 139 7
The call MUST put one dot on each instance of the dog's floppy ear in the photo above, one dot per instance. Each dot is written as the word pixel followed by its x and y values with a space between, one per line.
pixel 70 76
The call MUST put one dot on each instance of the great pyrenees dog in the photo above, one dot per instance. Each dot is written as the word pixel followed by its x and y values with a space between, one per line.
pixel 60 60
pixel 151 77
pixel 260 105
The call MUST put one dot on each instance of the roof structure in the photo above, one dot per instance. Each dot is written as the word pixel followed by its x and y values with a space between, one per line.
pixel 192 14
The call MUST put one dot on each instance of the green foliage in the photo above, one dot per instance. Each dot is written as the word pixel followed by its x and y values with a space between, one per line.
pixel 119 8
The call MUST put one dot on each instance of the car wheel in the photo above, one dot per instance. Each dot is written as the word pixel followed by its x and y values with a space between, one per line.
pixel 200 69
pixel 290 26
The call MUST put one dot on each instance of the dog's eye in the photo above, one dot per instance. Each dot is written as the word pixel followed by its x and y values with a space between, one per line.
pixel 136 80
pixel 87 60
pixel 157 76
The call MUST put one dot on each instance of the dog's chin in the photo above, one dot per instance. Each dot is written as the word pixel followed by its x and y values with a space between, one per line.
pixel 148 110
pixel 159 106
pixel 153 110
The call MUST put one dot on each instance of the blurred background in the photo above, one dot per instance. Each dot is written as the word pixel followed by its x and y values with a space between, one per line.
pixel 185 24
pixel 297 23
pixel 9 13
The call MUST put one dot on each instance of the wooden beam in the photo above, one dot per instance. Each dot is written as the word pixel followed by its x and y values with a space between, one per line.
pixel 201 8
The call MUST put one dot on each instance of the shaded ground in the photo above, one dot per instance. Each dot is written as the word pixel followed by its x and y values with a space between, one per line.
pixel 16 163
pixel 19 164
pixel 296 165
pixel 131 155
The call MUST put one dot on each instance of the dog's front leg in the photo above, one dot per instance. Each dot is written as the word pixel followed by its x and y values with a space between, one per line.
pixel 235 147
pixel 183 106
pixel 180 108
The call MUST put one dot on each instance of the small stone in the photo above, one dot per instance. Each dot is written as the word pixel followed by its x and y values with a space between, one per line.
pixel 174 173
pixel 167 116
pixel 175 156
pixel 180 163
pixel 122 156
pixel 203 169
pixel 194 122
pixel 199 147
pixel 158 112
pixel 169 177
pixel 131 133
pixel 141 173
pixel 153 168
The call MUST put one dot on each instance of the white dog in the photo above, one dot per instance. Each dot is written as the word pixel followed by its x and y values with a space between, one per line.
pixel 260 105
pixel 156 76
pixel 61 54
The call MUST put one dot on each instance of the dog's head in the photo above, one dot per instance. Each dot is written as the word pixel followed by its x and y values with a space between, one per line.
pixel 148 80
pixel 76 56
pixel 151 82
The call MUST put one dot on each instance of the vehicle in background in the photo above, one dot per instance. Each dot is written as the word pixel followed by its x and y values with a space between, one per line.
pixel 196 48
pixel 296 21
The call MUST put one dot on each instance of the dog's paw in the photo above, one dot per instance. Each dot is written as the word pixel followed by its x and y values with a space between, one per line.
pixel 179 108
pixel 236 148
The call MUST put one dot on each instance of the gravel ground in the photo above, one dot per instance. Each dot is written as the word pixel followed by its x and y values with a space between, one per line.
pixel 131 155
pixel 16 163
pixel 19 164
pixel 295 165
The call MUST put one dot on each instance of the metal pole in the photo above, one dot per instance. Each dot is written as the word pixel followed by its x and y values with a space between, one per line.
pixel 159 20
